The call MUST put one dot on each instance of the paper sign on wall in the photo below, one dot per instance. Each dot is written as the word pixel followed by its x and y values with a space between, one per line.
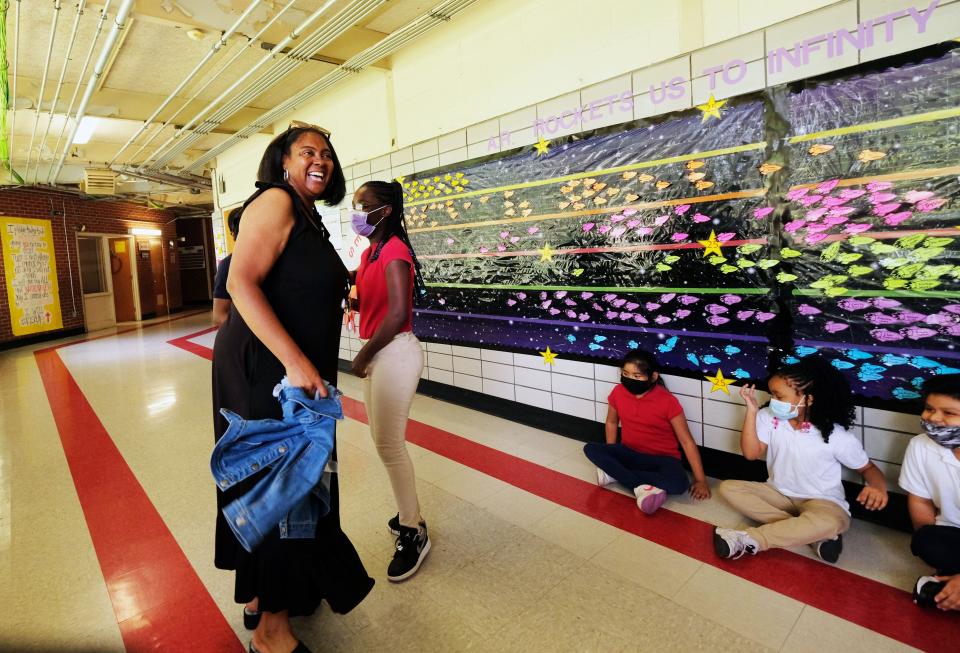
pixel 31 275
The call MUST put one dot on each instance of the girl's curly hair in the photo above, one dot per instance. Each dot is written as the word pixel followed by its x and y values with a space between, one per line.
pixel 834 401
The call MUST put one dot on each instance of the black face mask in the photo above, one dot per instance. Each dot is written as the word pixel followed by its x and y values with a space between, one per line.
pixel 634 386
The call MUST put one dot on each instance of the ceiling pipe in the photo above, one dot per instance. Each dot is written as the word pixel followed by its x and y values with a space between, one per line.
pixel 328 32
pixel 295 34
pixel 222 41
pixel 118 26
pixel 76 89
pixel 439 14
pixel 56 94
pixel 43 84
pixel 13 120
pixel 190 181
pixel 213 77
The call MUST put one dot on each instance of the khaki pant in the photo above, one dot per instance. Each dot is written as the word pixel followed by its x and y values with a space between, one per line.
pixel 388 391
pixel 786 522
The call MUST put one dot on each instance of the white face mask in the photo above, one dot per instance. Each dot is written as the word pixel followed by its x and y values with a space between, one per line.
pixel 784 409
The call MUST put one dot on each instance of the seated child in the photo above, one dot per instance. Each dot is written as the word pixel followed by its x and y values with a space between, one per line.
pixel 804 435
pixel 931 474
pixel 647 459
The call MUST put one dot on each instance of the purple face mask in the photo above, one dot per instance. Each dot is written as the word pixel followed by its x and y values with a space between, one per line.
pixel 358 220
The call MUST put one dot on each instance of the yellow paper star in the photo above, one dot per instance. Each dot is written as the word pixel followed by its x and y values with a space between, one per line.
pixel 548 356
pixel 542 146
pixel 401 179
pixel 719 383
pixel 546 254
pixel 711 245
pixel 711 108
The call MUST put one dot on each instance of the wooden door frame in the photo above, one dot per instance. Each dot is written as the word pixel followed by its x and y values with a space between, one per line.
pixel 163 268
pixel 132 252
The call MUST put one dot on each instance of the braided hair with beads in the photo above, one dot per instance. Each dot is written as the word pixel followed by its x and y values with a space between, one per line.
pixel 391 193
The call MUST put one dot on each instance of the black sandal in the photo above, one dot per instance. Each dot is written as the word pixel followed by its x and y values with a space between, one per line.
pixel 251 619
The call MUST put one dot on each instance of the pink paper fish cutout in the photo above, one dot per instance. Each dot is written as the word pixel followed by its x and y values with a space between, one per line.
pixel 587 226
pixel 659 221
pixel 716 309
pixel 810 200
pixel 511 302
pixel 729 299
pixel 619 302
pixel 604 228
pixel 762 212
pixel 817 228
pixel 667 297
pixel 533 230
pixel 716 320
pixel 449 241
pixel 610 314
pixel 632 224
pixel 815 214
pixel 569 302
pixel 853 304
pixel 504 234
pixel 609 297
pixel 835 201
pixel 617 218
pixel 952 308
pixel 583 317
pixel 686 300
pixel 916 333
pixel 896 218
pixel 514 239
pixel 680 210
pixel 484 250
pixel 699 217
pixel 619 231
pixel 885 302
pixel 835 220
pixel 725 236
pixel 626 316
pixel 880 198
pixel 880 318
pixel 586 295
pixel 834 327
pixel 827 186
pixel 843 210
pixel 797 193
pixel 546 304
pixel 915 196
pixel 858 228
pixel 560 294
pixel 885 335
pixel 852 193
pixel 661 319
pixel 501 248
pixel 807 309
pixel 678 236
pixel 572 314
pixel 632 306
pixel 926 206
pixel 554 311
pixel 744 315
pixel 794 225
pixel 939 318
pixel 543 295
pixel 874 186
pixel 629 211
pixel 652 307
pixel 639 319
pixel 644 231
pixel 681 313
pixel 763 317
pixel 521 295
pixel 884 209
pixel 909 317
pixel 953 330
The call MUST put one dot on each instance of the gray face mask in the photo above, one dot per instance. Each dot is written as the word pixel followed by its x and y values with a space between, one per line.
pixel 944 435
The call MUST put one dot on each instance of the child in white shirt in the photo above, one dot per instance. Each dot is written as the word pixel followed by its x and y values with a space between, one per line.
pixel 931 474
pixel 804 435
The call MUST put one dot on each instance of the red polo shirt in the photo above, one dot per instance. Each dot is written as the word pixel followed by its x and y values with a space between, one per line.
pixel 645 422
pixel 372 287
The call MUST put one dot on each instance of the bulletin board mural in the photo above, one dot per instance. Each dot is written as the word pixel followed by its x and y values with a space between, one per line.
pixel 30 271
pixel 819 217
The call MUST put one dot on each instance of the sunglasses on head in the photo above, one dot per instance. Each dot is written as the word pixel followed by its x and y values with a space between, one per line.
pixel 299 124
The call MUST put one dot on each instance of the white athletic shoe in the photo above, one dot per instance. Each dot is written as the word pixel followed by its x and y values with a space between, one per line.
pixel 604 479
pixel 729 543
pixel 649 498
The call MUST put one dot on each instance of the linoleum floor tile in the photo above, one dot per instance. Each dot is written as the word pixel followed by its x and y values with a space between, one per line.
pixel 817 631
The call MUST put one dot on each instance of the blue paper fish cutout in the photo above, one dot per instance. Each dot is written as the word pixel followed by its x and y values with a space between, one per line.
pixel 741 373
pixel 891 360
pixel 857 355
pixel 572 338
pixel 790 360
pixel 805 351
pixel 917 381
pixel 924 363
pixel 633 344
pixel 870 372
pixel 710 360
pixel 841 365
pixel 730 350
pixel 903 393
pixel 693 359
pixel 943 369
pixel 668 345
pixel 594 346
pixel 599 338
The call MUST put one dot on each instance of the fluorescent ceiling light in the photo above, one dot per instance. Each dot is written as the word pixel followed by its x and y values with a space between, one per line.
pixel 140 231
pixel 85 131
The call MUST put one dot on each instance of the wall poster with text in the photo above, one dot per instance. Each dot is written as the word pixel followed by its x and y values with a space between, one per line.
pixel 30 268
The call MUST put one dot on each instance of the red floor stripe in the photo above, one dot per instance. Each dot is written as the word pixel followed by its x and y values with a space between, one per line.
pixel 123 330
pixel 185 343
pixel 160 602
pixel 865 602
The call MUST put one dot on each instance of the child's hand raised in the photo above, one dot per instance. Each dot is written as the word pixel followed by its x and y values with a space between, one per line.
pixel 749 394
pixel 873 498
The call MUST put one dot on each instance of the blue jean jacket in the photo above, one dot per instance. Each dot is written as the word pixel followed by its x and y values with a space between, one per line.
pixel 295 493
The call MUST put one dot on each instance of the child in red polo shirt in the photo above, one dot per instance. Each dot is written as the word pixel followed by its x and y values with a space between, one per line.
pixel 653 430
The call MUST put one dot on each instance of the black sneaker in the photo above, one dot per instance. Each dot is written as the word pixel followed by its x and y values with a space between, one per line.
pixel 829 550
pixel 394 524
pixel 925 589
pixel 412 547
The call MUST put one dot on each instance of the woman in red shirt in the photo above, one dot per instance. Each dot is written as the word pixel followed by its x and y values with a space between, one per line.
pixel 654 429
pixel 391 359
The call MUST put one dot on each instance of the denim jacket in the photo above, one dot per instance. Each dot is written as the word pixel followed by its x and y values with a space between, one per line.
pixel 295 493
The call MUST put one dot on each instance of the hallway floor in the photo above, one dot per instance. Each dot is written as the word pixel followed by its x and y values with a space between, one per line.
pixel 107 522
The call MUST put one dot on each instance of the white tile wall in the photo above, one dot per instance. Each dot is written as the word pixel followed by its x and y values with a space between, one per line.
pixel 532 378
pixel 495 356
pixel 575 368
pixel 721 413
pixel 602 390
pixel 574 406
pixel 527 360
pixel 481 149
pixel 891 420
pixel 692 407
pixel 533 397
pixel 791 32
pixel 453 156
pixel 361 169
pixel 468 382
pixel 481 132
pixel 518 120
pixel 559 110
pixel 441 375
pixel 467 366
pixel 679 384
pixel 401 156
pixel 742 79
pixel 521 137
pixel 380 164
pixel 573 386
pixel 465 352
pixel 609 373
pixel 453 140
pixel 440 361
pixel 426 149
pixel 497 371
pixel 498 389
pixel 401 170
pixel 885 445
pixel 428 163
pixel 716 437
pixel 438 347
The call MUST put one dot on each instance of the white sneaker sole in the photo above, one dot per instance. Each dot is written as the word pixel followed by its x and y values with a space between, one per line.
pixel 423 555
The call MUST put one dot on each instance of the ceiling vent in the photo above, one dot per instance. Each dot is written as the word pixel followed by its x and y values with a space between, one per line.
pixel 99 182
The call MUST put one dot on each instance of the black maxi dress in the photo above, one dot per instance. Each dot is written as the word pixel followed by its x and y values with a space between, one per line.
pixel 305 288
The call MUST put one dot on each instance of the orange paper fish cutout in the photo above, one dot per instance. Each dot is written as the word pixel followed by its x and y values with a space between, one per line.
pixel 663 184
pixel 693 165
pixel 645 178
pixel 629 175
pixel 866 156
pixel 769 168
pixel 819 148
pixel 703 185
pixel 696 176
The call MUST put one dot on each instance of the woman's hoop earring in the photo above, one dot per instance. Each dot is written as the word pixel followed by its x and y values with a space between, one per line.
pixel 286 175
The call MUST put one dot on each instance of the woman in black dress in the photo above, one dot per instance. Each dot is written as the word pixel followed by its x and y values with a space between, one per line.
pixel 287 283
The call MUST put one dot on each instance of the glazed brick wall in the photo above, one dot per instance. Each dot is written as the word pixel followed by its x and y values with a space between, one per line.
pixel 99 216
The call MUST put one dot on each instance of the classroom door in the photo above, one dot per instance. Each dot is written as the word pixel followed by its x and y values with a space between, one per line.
pixel 159 276
pixel 121 271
